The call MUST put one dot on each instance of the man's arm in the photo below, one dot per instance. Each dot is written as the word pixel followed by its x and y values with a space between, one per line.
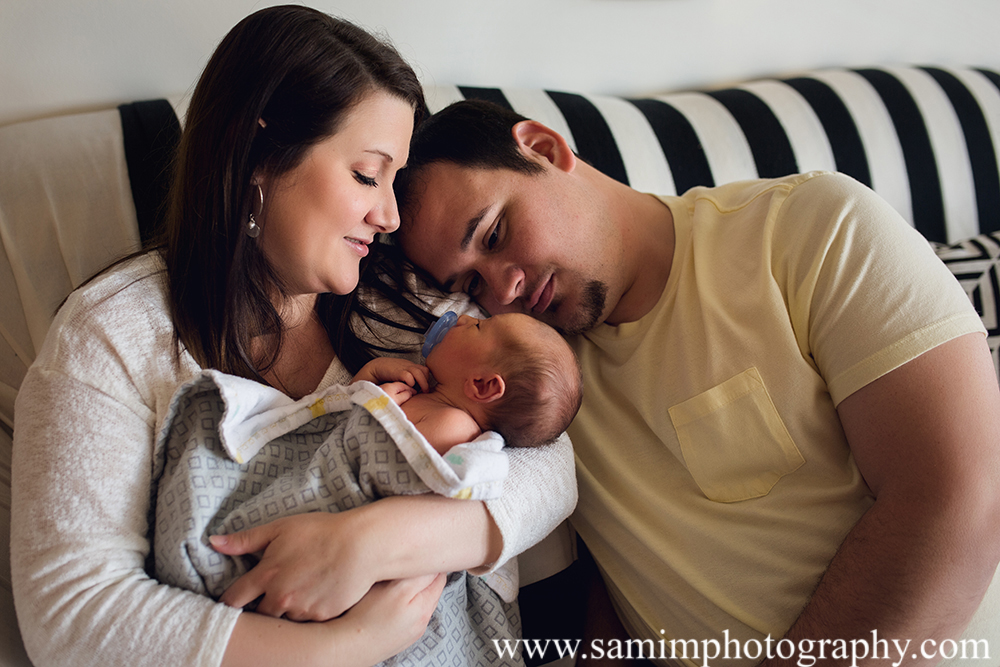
pixel 926 437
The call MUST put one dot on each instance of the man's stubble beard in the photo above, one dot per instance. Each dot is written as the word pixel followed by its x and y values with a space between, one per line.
pixel 591 311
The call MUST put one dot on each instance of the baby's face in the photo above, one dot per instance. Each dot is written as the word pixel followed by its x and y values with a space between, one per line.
pixel 472 343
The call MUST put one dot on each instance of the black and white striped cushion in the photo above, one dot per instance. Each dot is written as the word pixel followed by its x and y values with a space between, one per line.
pixel 976 264
pixel 925 138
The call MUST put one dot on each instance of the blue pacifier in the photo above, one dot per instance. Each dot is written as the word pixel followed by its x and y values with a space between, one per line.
pixel 436 333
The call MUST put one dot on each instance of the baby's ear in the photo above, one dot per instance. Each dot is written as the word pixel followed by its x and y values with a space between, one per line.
pixel 485 389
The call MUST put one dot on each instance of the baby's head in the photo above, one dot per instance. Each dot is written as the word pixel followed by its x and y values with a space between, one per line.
pixel 519 377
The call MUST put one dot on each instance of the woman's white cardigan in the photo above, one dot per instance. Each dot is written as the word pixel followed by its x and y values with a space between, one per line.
pixel 83 483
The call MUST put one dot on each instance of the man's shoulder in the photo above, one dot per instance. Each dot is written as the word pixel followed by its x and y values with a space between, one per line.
pixel 740 193
pixel 798 208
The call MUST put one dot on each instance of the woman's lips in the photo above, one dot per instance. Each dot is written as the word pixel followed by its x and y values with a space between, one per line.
pixel 359 246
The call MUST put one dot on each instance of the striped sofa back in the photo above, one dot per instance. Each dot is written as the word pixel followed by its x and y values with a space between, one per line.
pixel 925 138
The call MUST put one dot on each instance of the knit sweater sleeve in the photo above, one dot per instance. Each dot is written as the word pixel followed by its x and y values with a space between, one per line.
pixel 83 474
pixel 540 490
pixel 538 494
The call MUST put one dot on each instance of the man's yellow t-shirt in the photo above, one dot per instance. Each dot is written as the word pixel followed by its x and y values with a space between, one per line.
pixel 715 479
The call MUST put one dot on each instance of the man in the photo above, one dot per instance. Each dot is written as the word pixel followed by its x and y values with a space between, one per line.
pixel 790 428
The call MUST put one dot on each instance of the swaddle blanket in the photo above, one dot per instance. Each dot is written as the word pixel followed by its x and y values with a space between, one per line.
pixel 241 454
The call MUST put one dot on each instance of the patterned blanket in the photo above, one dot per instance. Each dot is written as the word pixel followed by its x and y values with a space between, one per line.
pixel 240 454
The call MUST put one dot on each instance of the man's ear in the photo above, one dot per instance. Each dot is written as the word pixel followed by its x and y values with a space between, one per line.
pixel 485 389
pixel 535 139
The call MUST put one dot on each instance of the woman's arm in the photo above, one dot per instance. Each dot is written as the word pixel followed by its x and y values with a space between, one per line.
pixel 538 494
pixel 82 471
pixel 84 477
pixel 82 480
pixel 317 565
pixel 388 619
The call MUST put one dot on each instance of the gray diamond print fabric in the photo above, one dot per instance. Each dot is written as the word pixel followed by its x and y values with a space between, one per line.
pixel 315 458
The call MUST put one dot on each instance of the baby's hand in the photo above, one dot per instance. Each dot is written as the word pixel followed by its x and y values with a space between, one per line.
pixel 400 392
pixel 390 369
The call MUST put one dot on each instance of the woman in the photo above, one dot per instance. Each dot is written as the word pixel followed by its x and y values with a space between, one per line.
pixel 283 181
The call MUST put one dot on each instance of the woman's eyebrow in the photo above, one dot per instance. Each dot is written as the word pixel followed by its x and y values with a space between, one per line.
pixel 378 152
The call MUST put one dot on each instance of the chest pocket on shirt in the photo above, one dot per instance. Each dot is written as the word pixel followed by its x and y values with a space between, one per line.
pixel 734 443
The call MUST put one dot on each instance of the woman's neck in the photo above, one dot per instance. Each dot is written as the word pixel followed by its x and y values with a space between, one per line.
pixel 306 352
pixel 296 310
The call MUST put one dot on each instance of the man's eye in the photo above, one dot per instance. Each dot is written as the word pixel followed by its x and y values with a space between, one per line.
pixel 493 238
pixel 475 282
pixel 365 180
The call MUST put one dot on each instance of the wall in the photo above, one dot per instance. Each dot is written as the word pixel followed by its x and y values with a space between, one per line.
pixel 63 55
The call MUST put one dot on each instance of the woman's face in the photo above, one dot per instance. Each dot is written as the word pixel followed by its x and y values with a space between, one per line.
pixel 320 217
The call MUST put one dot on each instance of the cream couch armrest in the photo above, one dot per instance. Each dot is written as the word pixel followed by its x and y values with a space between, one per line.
pixel 66 211
pixel 12 652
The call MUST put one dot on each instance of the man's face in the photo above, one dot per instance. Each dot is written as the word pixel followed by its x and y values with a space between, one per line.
pixel 534 244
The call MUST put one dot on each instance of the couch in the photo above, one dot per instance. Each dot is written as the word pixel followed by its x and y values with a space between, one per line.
pixel 80 189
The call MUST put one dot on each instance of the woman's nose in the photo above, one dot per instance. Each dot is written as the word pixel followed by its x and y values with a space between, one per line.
pixel 385 214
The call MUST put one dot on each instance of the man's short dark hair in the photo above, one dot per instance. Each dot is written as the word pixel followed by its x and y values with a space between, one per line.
pixel 469 133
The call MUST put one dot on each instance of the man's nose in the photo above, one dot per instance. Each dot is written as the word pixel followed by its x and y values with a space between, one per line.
pixel 506 284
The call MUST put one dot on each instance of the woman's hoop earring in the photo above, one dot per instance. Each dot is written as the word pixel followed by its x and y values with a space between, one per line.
pixel 253 229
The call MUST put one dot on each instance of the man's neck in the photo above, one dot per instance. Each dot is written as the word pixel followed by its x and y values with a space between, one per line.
pixel 648 230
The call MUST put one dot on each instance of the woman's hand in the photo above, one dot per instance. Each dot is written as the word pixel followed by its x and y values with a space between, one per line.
pixel 391 617
pixel 317 565
pixel 391 369
pixel 314 566
pixel 396 612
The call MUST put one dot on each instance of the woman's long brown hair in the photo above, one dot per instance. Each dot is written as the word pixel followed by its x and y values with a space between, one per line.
pixel 281 81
